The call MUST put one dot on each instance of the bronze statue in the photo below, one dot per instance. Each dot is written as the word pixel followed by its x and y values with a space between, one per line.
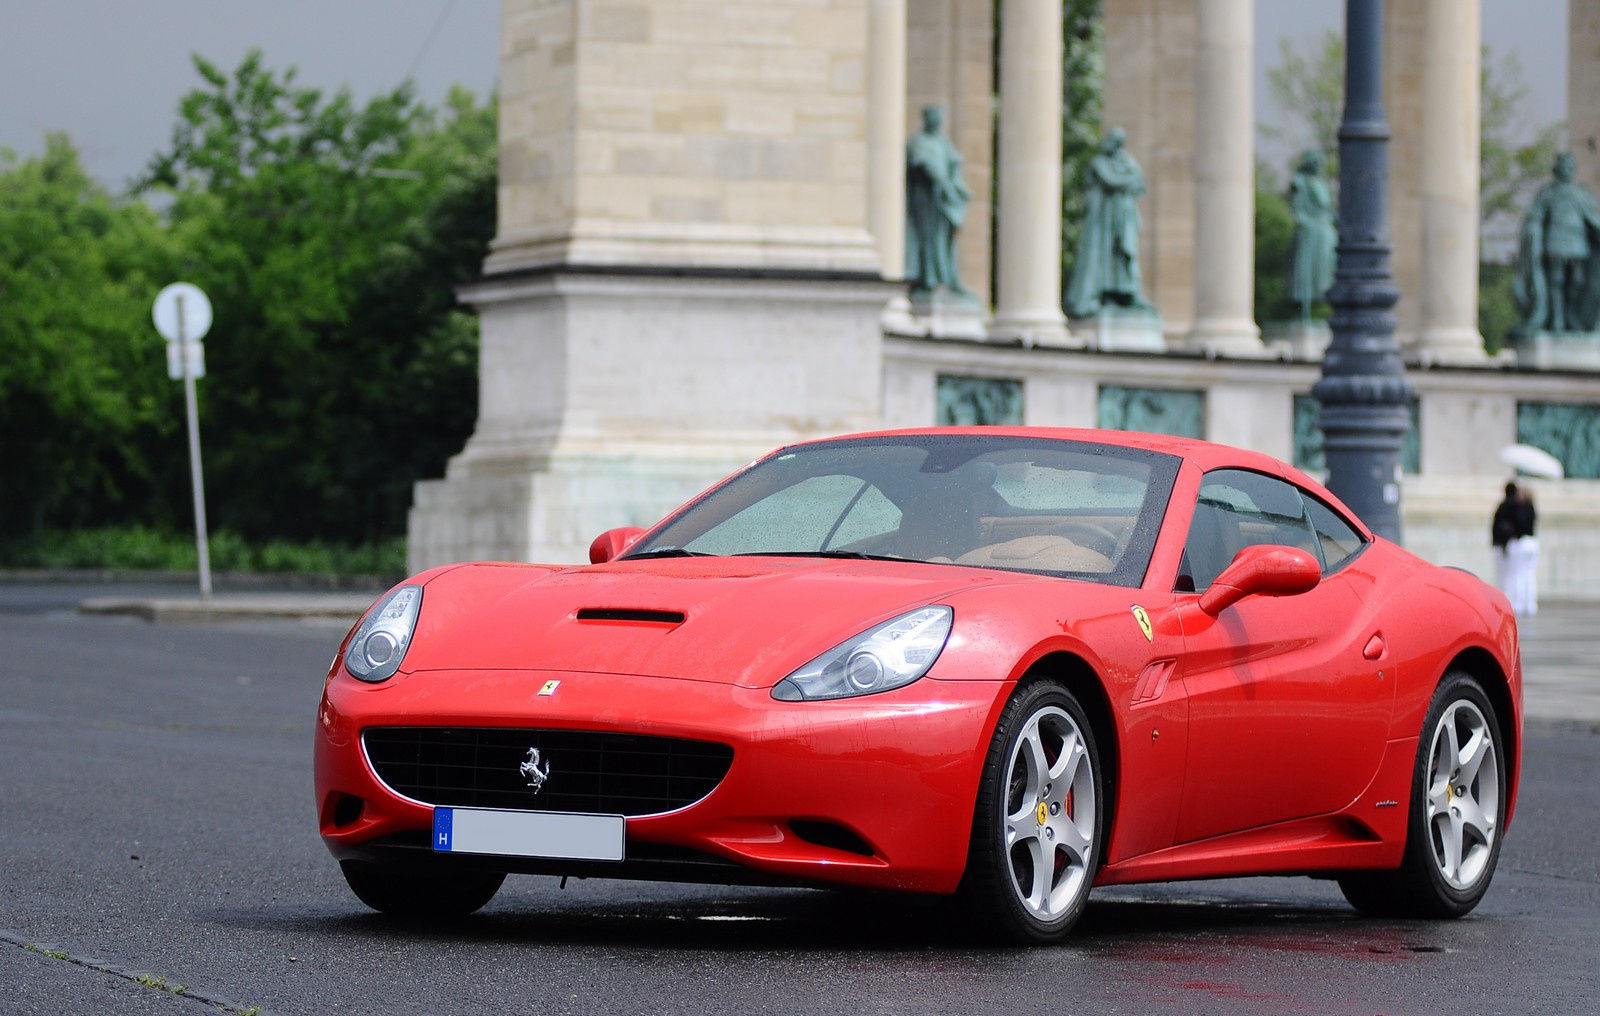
pixel 1558 271
pixel 1311 251
pixel 936 203
pixel 1105 274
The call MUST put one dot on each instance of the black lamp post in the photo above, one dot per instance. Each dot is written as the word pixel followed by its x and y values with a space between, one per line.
pixel 1364 392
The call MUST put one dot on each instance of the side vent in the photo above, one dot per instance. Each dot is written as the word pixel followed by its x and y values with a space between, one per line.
pixel 633 614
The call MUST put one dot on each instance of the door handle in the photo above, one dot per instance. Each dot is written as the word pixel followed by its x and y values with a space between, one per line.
pixel 1374 648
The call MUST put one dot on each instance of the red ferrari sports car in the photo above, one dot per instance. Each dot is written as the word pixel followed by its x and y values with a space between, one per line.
pixel 998 664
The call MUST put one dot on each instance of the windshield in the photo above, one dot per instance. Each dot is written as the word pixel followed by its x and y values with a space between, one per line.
pixel 1028 504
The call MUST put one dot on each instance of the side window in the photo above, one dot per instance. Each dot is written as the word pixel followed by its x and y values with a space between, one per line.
pixel 1338 539
pixel 1238 509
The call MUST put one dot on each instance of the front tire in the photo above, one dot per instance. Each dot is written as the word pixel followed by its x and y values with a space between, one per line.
pixel 418 892
pixel 1458 799
pixel 1038 826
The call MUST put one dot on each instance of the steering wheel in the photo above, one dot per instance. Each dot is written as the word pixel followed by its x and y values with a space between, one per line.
pixel 1088 534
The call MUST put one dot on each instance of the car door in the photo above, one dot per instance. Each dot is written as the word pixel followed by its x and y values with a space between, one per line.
pixel 1288 705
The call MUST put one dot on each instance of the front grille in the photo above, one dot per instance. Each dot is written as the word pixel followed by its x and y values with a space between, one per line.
pixel 586 771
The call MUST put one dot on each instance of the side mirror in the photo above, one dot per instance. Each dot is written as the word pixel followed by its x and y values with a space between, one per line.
pixel 1264 569
pixel 613 542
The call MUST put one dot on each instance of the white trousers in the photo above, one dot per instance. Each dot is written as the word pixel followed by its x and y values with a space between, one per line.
pixel 1521 576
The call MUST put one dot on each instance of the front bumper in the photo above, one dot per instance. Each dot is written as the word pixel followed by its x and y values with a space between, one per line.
pixel 876 791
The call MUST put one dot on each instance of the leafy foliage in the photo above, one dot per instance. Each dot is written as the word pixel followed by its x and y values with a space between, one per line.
pixel 1512 166
pixel 85 406
pixel 1083 32
pixel 328 236
pixel 1497 307
pixel 1274 236
pixel 1309 88
pixel 145 548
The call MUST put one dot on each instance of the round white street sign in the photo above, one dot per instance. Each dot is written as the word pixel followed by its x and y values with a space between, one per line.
pixel 182 303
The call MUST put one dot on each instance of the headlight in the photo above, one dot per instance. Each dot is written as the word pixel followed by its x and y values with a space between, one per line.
pixel 891 655
pixel 381 640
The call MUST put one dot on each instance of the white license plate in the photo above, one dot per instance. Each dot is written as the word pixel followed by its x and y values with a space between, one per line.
pixel 528 834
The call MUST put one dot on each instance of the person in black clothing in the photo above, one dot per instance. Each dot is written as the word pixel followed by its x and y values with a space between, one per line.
pixel 1502 531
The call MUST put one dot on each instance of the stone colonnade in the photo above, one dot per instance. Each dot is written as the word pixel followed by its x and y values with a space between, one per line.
pixel 1179 72
pixel 1178 77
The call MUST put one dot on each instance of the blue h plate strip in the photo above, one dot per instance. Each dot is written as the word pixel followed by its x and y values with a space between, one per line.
pixel 443 823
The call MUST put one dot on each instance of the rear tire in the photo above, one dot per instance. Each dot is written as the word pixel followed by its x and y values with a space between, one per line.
pixel 420 892
pixel 1458 808
pixel 1039 823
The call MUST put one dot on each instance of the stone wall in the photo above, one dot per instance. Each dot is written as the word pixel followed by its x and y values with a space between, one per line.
pixel 683 132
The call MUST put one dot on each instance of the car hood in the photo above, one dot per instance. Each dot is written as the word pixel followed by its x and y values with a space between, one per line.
pixel 745 621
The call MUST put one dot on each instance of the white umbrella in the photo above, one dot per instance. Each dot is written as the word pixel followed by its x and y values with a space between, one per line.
pixel 1533 461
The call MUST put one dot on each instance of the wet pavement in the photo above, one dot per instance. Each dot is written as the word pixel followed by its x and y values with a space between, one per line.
pixel 1561 662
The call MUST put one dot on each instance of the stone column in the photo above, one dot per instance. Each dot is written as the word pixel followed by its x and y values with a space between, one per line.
pixel 1583 82
pixel 1448 184
pixel 1404 22
pixel 886 133
pixel 1028 259
pixel 1224 260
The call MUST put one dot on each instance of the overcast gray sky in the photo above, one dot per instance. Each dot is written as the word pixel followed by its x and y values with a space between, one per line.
pixel 110 72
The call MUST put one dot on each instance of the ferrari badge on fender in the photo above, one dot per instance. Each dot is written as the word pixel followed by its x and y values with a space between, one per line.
pixel 1143 618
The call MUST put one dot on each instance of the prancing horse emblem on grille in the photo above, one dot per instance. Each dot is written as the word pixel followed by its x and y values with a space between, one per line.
pixel 532 773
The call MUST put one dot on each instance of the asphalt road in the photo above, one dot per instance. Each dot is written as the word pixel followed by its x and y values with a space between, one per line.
pixel 160 856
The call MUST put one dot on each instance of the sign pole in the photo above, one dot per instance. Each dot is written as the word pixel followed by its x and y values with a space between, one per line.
pixel 190 402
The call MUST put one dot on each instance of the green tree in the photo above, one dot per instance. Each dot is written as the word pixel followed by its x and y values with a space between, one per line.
pixel 1083 35
pixel 329 236
pixel 1274 235
pixel 1513 164
pixel 1309 88
pixel 87 414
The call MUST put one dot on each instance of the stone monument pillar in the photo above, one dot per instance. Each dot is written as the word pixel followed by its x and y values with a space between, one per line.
pixel 1583 82
pixel 1403 44
pixel 682 274
pixel 1028 261
pixel 1224 172
pixel 1448 184
pixel 1431 67
pixel 886 111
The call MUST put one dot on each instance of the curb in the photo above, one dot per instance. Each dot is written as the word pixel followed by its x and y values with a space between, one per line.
pixel 343 607
pixel 308 581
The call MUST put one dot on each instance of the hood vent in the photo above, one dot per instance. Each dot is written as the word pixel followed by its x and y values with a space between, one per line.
pixel 633 614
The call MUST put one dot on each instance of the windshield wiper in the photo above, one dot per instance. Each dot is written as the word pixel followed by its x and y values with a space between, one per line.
pixel 664 552
pixel 851 555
